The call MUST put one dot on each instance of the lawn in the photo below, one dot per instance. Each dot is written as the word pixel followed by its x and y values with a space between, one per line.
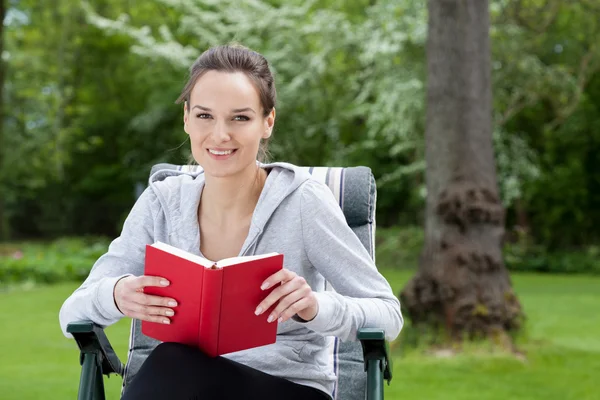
pixel 563 349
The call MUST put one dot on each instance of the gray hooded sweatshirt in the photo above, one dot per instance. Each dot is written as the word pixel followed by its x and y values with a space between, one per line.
pixel 295 216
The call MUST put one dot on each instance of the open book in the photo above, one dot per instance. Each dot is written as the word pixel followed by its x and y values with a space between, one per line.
pixel 215 300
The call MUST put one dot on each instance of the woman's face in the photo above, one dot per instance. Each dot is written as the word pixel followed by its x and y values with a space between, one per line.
pixel 225 121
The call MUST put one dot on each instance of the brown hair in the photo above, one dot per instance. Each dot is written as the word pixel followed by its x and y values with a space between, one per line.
pixel 236 58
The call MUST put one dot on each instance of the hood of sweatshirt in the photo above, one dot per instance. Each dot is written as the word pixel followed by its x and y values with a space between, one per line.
pixel 179 194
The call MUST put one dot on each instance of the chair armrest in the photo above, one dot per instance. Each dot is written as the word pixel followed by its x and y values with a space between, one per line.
pixel 376 348
pixel 91 339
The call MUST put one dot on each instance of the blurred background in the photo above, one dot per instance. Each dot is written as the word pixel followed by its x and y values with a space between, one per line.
pixel 87 107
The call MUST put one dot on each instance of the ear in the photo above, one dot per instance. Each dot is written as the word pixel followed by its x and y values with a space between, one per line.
pixel 269 123
pixel 185 116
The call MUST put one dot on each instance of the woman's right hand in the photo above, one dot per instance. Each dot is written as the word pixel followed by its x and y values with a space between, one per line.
pixel 133 302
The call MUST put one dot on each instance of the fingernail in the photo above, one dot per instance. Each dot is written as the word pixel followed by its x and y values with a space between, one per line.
pixel 169 313
pixel 258 311
pixel 264 285
pixel 280 320
pixel 172 304
pixel 164 282
pixel 271 318
pixel 166 321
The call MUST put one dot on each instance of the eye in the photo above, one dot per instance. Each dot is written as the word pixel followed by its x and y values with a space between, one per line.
pixel 203 116
pixel 241 118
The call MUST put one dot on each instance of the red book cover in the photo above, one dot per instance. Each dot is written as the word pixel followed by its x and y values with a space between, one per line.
pixel 239 329
pixel 216 301
pixel 209 321
pixel 186 279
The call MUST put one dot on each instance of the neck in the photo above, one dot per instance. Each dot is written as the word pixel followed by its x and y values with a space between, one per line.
pixel 227 201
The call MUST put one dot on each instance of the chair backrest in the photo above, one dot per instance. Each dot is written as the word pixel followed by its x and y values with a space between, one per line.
pixel 355 190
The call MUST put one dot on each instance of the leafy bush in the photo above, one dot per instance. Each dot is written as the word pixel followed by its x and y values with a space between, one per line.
pixel 67 259
pixel 400 247
pixel 70 259
pixel 538 259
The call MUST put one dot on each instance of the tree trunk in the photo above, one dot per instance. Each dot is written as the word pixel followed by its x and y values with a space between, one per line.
pixel 3 222
pixel 462 284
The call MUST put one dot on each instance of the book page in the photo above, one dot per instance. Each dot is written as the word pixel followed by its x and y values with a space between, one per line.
pixel 183 254
pixel 238 260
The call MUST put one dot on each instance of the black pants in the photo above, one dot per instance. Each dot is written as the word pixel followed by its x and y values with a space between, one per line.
pixel 175 371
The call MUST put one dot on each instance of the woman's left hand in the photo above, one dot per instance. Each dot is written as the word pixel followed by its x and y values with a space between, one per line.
pixel 292 297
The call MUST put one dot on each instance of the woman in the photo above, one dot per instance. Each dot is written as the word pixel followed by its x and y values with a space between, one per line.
pixel 239 206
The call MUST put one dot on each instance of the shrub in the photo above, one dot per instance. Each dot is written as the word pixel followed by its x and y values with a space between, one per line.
pixel 400 248
pixel 66 259
pixel 71 259
pixel 530 258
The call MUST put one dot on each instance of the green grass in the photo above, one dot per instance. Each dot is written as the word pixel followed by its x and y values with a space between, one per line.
pixel 563 349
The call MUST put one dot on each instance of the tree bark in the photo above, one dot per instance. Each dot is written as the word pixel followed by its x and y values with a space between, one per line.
pixel 3 222
pixel 462 284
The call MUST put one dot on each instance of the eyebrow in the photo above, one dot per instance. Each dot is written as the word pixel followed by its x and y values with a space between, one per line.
pixel 235 110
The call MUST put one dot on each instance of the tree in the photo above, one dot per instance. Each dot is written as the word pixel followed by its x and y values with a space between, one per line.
pixel 462 283
pixel 546 74
pixel 72 96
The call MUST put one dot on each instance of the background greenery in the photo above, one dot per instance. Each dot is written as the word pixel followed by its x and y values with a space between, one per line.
pixel 90 92
pixel 70 259
pixel 88 108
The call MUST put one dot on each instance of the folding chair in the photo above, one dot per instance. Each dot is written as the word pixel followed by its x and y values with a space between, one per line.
pixel 361 367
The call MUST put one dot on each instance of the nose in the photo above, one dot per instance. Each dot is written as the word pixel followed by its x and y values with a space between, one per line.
pixel 221 132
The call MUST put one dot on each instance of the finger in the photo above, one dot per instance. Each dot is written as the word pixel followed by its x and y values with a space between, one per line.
pixel 283 275
pixel 151 318
pixel 151 310
pixel 287 301
pixel 279 292
pixel 151 300
pixel 145 280
pixel 295 308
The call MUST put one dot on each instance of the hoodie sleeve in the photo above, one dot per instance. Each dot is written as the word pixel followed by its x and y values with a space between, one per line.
pixel 94 299
pixel 363 298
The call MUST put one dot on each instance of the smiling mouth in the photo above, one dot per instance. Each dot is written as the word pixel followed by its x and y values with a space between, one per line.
pixel 221 152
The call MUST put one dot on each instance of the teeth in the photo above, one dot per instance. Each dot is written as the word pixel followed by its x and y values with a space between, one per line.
pixel 220 153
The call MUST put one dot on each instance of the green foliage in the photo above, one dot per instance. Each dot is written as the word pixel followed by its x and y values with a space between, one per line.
pixel 90 91
pixel 71 259
pixel 546 96
pixel 71 124
pixel 399 248
pixel 66 259
pixel 538 259
pixel 565 202
pixel 355 100
pixel 518 165
pixel 360 99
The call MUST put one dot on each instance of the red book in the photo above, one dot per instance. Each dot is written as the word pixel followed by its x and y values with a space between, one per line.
pixel 215 300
